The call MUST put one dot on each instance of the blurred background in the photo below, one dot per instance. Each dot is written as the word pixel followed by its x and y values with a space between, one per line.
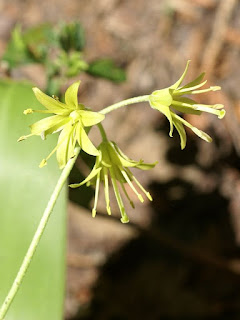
pixel 179 256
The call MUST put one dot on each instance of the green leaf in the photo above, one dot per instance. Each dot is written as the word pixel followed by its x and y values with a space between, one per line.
pixel 69 64
pixel 25 191
pixel 17 52
pixel 106 68
pixel 38 41
pixel 71 37
pixel 29 46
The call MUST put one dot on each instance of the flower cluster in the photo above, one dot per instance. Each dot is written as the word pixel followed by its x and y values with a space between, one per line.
pixel 70 119
pixel 172 99
pixel 112 162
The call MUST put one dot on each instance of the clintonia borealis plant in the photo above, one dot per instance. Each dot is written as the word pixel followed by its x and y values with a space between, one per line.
pixel 72 121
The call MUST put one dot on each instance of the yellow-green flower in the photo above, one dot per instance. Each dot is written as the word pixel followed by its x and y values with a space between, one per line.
pixel 70 119
pixel 112 162
pixel 172 99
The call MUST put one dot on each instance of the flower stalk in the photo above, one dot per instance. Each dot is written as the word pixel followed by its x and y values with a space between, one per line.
pixel 124 103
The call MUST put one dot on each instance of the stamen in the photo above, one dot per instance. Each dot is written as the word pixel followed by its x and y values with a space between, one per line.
pixel 142 188
pixel 28 111
pixel 44 161
pixel 94 210
pixel 43 135
pixel 132 186
pixel 190 89
pixel 51 153
pixel 211 109
pixel 203 135
pixel 124 218
pixel 197 131
pixel 217 106
pixel 106 191
pixel 215 88
pixel 183 104
pixel 126 194
pixel 24 137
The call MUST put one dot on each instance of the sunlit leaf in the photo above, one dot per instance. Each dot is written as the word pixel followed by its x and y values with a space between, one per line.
pixel 25 191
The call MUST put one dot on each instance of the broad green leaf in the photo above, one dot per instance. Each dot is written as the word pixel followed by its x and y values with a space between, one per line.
pixel 25 191
pixel 106 68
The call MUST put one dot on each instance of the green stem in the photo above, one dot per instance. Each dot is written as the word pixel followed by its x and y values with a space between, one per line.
pixel 37 236
pixel 124 103
pixel 102 131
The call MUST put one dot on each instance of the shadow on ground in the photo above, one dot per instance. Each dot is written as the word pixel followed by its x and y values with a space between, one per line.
pixel 179 268
pixel 184 265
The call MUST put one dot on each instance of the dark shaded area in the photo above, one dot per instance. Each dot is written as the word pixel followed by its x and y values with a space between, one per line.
pixel 180 267
pixel 84 197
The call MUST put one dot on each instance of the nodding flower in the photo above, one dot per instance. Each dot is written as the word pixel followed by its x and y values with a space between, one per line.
pixel 172 99
pixel 70 119
pixel 114 164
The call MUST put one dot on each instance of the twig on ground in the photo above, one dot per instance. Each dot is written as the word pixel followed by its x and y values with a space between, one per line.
pixel 218 35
